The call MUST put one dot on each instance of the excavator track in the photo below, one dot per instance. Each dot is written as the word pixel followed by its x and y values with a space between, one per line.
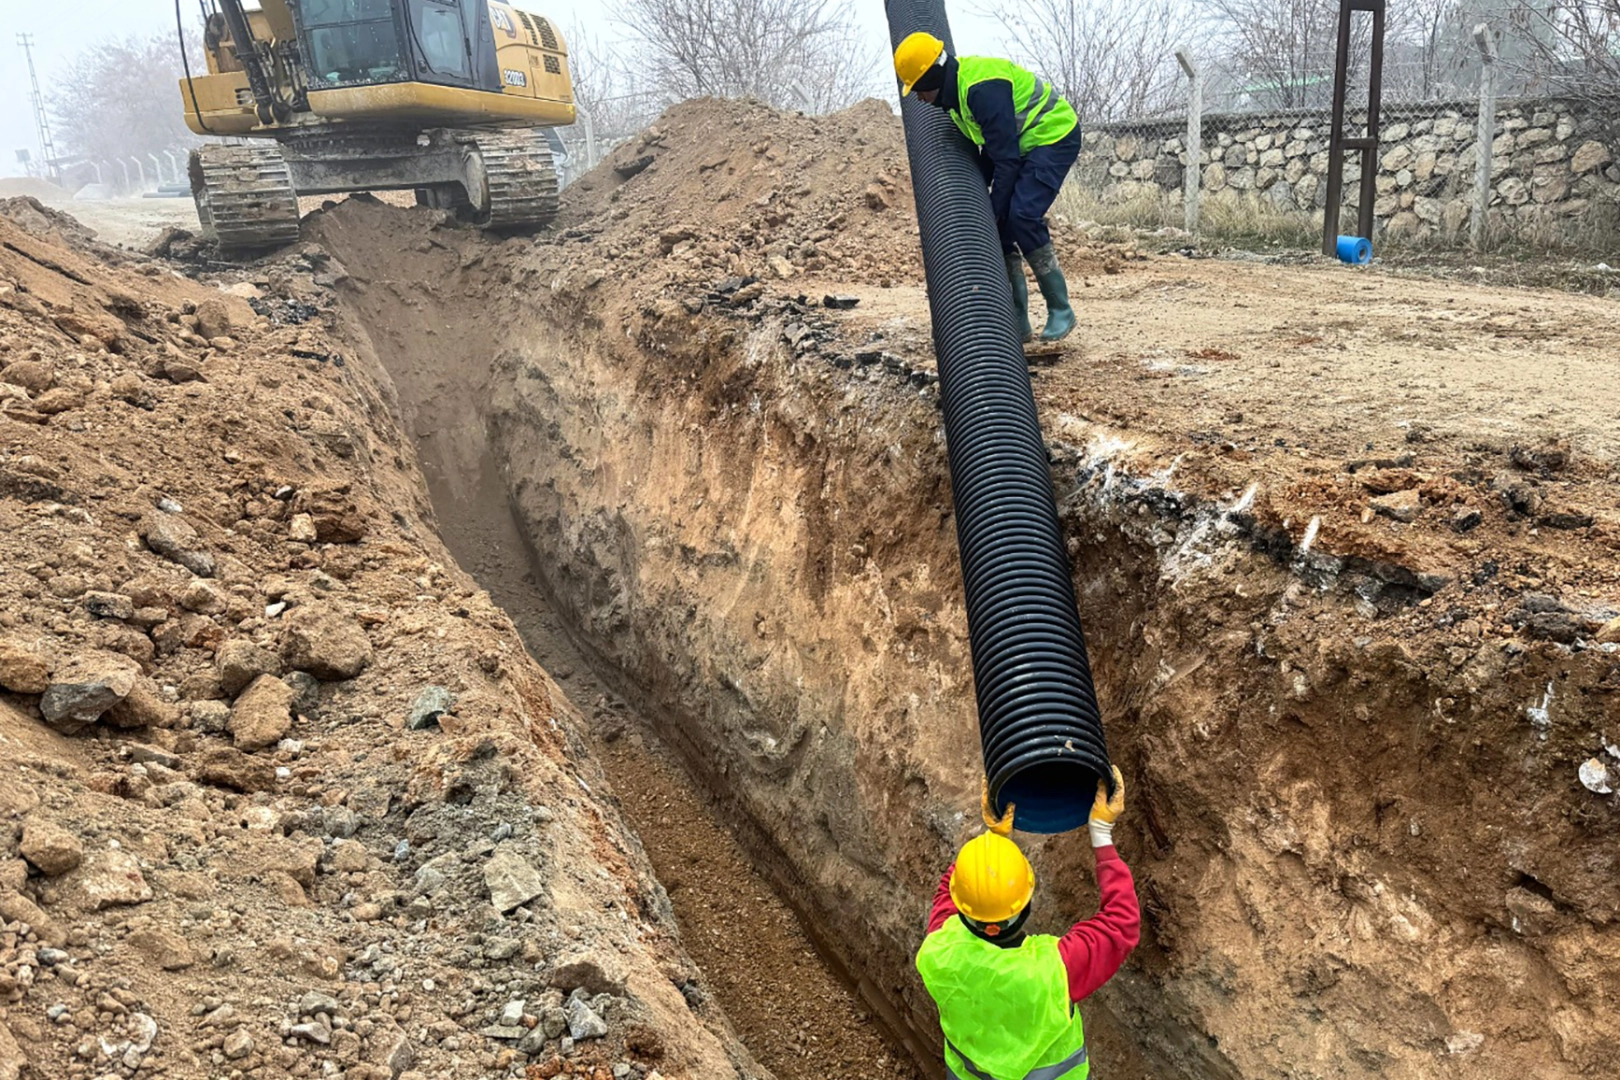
pixel 245 197
pixel 520 178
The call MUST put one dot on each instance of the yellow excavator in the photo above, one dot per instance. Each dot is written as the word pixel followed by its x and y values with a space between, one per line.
pixel 453 99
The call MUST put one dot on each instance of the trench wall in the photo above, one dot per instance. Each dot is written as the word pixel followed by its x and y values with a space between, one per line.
pixel 1353 854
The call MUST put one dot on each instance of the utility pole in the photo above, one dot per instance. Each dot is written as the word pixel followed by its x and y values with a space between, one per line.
pixel 47 147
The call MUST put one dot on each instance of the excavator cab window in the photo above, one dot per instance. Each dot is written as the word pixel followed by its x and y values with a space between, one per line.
pixel 352 42
pixel 437 29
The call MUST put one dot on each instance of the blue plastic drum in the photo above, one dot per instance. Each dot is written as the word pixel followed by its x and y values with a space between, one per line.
pixel 1355 250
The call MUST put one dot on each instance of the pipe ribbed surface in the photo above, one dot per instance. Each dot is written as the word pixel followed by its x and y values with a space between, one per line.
pixel 1042 737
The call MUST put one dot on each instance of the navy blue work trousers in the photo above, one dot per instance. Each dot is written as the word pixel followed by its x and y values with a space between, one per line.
pixel 1036 187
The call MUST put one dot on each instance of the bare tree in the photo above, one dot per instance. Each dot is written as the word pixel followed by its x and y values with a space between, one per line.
pixel 1112 59
pixel 120 99
pixel 1574 48
pixel 800 54
pixel 1282 49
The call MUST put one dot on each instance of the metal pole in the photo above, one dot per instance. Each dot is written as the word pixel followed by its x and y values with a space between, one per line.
pixel 1192 179
pixel 125 166
pixel 157 167
pixel 1487 132
pixel 1369 152
pixel 141 171
pixel 1335 173
pixel 42 122
pixel 174 165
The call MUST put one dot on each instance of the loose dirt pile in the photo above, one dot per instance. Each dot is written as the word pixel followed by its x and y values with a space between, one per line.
pixel 283 794
pixel 1344 544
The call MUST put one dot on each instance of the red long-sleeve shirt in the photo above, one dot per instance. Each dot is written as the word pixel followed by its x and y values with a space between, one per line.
pixel 1094 948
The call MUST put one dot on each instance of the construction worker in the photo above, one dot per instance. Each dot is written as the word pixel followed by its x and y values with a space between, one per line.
pixel 1028 138
pixel 1007 1000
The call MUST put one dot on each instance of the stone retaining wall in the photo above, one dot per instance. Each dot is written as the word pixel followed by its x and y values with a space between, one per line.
pixel 1551 164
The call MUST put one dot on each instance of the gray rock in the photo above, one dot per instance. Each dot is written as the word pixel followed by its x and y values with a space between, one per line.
pixel 583 1023
pixel 51 957
pixel 502 948
pixel 106 605
pixel 308 689
pixel 86 688
pixel 1403 506
pixel 534 1043
pixel 239 662
pixel 339 821
pixel 210 716
pixel 238 1045
pixel 502 1031
pixel 172 537
pixel 594 973
pixel 429 705
pixel 512 1015
pixel 314 1003
pixel 510 879
pixel 554 1022
pixel 314 1033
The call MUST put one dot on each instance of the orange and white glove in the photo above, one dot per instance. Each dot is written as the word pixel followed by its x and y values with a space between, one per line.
pixel 1105 811
pixel 1002 826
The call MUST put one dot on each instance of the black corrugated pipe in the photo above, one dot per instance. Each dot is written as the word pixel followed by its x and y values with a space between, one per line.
pixel 1042 736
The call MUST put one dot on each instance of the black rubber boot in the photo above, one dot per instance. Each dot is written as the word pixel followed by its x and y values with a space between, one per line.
pixel 1020 291
pixel 1059 315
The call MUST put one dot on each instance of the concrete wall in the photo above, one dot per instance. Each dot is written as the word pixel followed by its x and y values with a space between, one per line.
pixel 1551 164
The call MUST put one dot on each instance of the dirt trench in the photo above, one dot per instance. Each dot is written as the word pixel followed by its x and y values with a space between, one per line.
pixel 1357 841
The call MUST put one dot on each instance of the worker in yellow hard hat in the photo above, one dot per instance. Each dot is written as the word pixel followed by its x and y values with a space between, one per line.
pixel 1027 137
pixel 1006 998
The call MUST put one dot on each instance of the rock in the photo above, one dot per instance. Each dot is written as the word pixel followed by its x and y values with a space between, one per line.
pixel 52 849
pixel 1403 506
pixel 112 878
pixel 170 536
pixel 22 670
pixel 214 319
pixel 1589 156
pixel 230 768
pixel 17 908
pixel 877 198
pixel 350 857
pixel 781 267
pixel 238 1045
pixel 339 821
pixel 335 516
pixel 325 643
pixel 204 598
pixel 1466 519
pixel 1597 777
pixel 164 948
pixel 35 376
pixel 314 1033
pixel 1530 913
pixel 510 879
pixel 210 716
pixel 429 705
pixel 512 1014
pixel 61 399
pixel 262 716
pixel 1610 633
pixel 314 1003
pixel 302 529
pixel 1463 1042
pixel 595 973
pixel 583 1023
pixel 298 859
pixel 106 605
pixel 12 1059
pixel 239 662
pixel 85 688
pixel 142 707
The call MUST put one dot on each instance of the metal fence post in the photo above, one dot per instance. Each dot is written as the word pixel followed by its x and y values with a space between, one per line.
pixel 1192 182
pixel 1487 131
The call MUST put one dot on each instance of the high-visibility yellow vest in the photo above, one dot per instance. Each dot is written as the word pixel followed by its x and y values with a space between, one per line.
pixel 1006 1012
pixel 1043 116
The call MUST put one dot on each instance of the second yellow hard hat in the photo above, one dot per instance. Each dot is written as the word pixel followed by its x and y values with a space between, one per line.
pixel 914 56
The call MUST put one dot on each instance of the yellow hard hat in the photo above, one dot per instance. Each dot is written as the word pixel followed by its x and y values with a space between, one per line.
pixel 993 881
pixel 914 57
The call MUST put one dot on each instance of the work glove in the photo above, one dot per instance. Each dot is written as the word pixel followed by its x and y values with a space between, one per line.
pixel 1105 811
pixel 1002 826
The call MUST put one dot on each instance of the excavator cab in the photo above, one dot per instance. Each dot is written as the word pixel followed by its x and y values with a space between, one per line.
pixel 444 97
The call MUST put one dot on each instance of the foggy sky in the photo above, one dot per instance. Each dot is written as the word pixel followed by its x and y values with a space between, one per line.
pixel 64 29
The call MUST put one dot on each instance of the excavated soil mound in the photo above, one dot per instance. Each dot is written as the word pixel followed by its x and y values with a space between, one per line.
pixel 283 794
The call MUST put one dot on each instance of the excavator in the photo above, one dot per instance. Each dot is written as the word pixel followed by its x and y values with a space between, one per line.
pixel 453 99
